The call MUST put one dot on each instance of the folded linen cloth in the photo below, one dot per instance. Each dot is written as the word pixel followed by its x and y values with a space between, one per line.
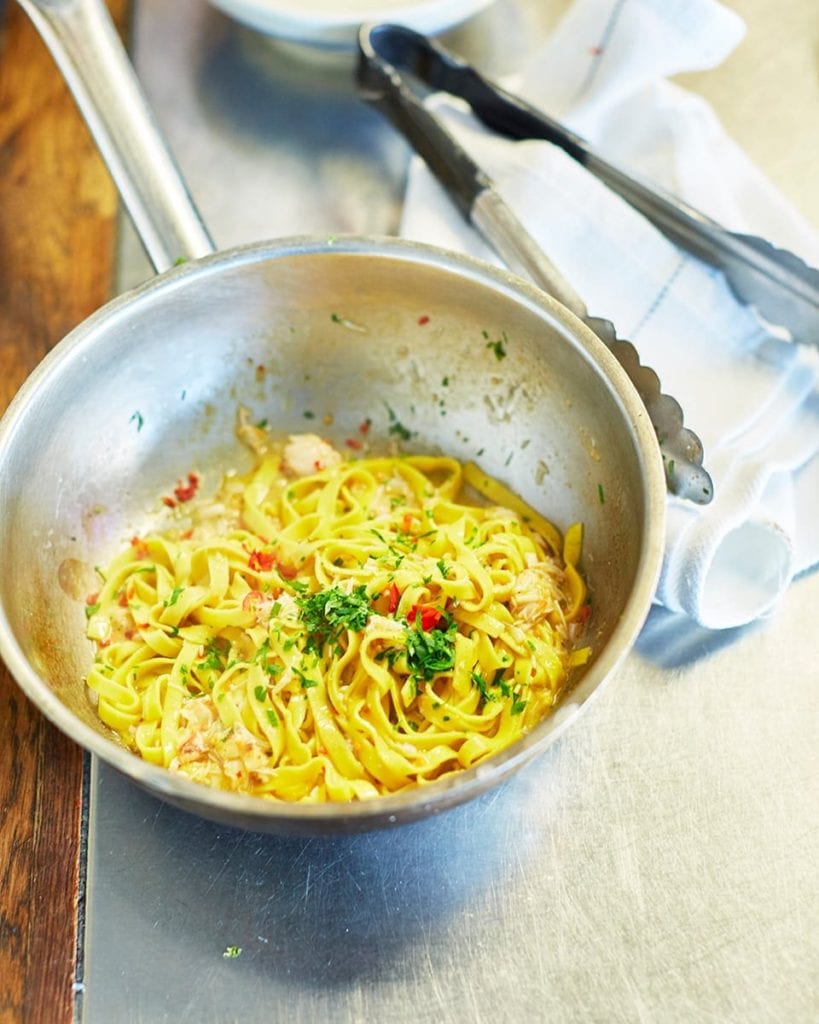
pixel 750 395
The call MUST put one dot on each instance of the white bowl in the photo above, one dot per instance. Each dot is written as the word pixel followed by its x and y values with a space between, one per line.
pixel 334 23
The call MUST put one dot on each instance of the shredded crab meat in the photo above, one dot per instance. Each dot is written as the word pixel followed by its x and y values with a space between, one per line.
pixel 261 605
pixel 243 754
pixel 198 718
pixel 305 454
pixel 388 625
pixel 253 436
pixel 536 592
pixel 288 608
pixel 383 500
pixel 234 753
pixel 504 513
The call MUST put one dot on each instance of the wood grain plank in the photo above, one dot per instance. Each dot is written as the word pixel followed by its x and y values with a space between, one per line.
pixel 57 222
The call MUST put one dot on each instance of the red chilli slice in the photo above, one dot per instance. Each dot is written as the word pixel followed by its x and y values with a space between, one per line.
pixel 429 615
pixel 185 492
pixel 261 561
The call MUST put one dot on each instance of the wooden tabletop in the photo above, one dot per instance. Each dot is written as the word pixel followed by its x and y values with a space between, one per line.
pixel 57 222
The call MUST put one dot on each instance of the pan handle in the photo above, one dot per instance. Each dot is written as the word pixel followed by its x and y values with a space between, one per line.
pixel 84 43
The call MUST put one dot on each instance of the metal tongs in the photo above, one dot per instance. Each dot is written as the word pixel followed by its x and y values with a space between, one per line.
pixel 779 284
pixel 782 287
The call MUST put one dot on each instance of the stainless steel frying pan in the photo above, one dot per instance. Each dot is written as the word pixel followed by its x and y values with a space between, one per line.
pixel 148 388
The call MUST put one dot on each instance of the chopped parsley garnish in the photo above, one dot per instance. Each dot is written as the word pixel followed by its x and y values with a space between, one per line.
pixel 272 717
pixel 298 585
pixel 443 569
pixel 174 596
pixel 396 426
pixel 327 614
pixel 231 952
pixel 260 693
pixel 91 609
pixel 600 496
pixel 271 669
pixel 498 681
pixel 430 650
pixel 483 686
pixel 498 346
pixel 517 706
pixel 216 653
pixel 138 418
pixel 400 430
pixel 306 682
pixel 309 414
pixel 390 655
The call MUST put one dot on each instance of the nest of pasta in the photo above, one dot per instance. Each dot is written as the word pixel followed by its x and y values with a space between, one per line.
pixel 333 628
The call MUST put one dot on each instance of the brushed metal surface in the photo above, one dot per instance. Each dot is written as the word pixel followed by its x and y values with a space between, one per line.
pixel 657 864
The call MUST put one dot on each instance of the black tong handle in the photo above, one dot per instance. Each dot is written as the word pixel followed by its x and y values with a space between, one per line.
pixel 440 69
pixel 471 190
pixel 382 50
pixel 778 283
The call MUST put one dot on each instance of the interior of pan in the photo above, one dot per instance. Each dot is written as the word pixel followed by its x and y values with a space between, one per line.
pixel 438 352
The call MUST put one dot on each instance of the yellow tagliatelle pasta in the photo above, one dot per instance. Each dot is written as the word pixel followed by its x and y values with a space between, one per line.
pixel 330 629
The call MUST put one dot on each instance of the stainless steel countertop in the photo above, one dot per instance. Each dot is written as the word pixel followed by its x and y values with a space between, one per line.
pixel 658 864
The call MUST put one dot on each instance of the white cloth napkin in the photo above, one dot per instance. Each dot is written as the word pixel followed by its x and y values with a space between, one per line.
pixel 751 396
